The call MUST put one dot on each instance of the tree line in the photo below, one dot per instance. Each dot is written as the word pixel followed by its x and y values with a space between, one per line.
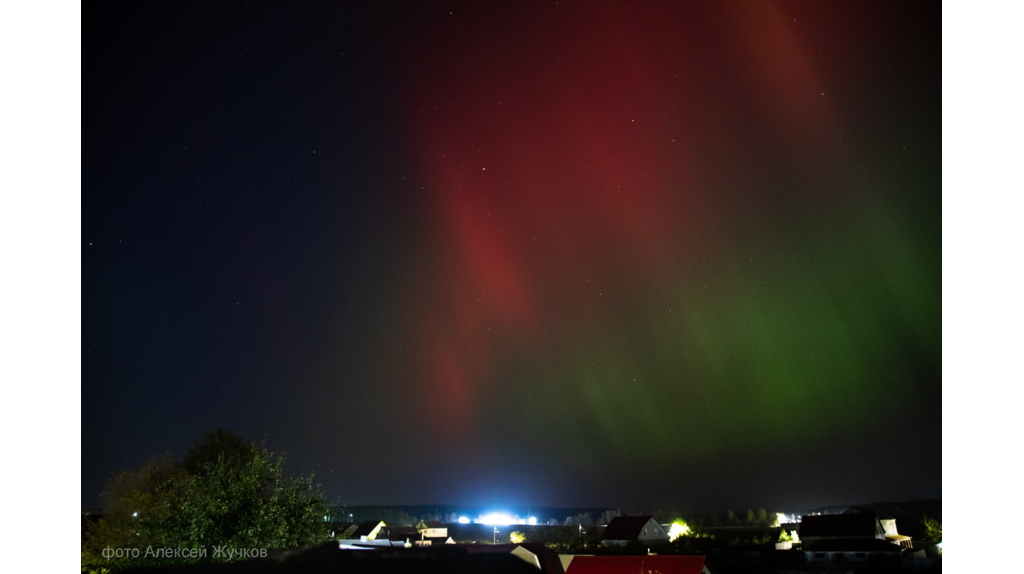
pixel 759 517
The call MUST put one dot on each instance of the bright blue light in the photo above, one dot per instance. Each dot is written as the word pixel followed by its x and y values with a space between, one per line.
pixel 497 519
pixel 463 520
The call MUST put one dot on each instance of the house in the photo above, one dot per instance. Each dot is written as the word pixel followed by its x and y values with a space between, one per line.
pixel 346 532
pixel 338 529
pixel 852 526
pixel 643 530
pixel 403 534
pixel 416 537
pixel 631 564
pixel 853 551
pixel 432 529
pixel 369 530
pixel 533 555
pixel 888 525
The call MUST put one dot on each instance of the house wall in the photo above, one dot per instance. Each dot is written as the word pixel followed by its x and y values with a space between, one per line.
pixel 652 533
pixel 889 526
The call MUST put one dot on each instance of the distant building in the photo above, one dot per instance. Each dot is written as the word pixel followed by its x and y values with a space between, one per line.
pixel 432 529
pixel 888 525
pixel 403 534
pixel 419 535
pixel 346 532
pixel 623 530
pixel 838 551
pixel 531 555
pixel 369 530
pixel 338 529
pixel 854 526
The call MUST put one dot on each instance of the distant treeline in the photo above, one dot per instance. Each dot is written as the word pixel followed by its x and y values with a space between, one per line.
pixel 409 515
pixel 907 514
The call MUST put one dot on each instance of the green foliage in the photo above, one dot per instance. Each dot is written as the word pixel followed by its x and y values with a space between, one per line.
pixel 226 493
pixel 756 540
pixel 219 446
pixel 932 529
pixel 678 529
pixel 576 540
pixel 517 537
pixel 784 536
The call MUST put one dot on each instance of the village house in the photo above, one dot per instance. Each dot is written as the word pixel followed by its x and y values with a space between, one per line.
pixel 859 535
pixel 432 529
pixel 643 530
pixel 852 526
pixel 839 551
pixel 888 526
pixel 368 530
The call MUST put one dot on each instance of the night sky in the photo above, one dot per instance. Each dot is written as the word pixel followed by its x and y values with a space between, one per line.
pixel 635 255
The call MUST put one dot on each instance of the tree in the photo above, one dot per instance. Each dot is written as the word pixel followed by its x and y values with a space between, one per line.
pixel 582 519
pixel 134 501
pixel 517 537
pixel 750 516
pixel 576 540
pixel 932 529
pixel 679 528
pixel 762 517
pixel 226 492
pixel 607 516
pixel 219 444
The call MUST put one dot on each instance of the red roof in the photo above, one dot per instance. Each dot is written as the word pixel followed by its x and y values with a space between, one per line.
pixel 635 564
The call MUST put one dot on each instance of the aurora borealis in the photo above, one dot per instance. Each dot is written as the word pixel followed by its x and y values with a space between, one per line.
pixel 638 255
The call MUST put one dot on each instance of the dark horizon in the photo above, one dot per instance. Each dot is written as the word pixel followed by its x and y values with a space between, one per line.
pixel 682 503
pixel 559 254
pixel 931 507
